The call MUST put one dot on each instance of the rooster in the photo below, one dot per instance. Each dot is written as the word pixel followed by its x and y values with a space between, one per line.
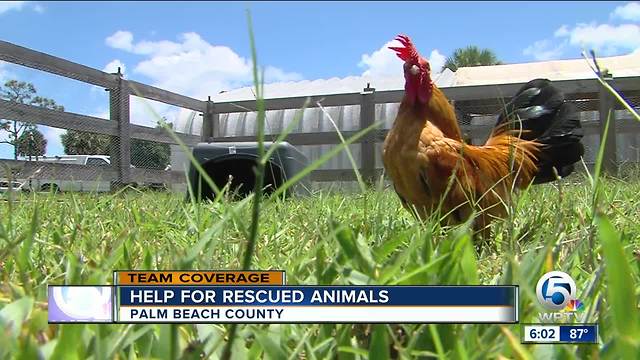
pixel 536 140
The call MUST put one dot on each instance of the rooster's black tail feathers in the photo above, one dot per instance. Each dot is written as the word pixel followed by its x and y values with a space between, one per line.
pixel 539 112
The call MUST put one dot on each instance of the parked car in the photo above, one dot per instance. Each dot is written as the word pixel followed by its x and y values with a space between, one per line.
pixel 66 180
pixel 6 185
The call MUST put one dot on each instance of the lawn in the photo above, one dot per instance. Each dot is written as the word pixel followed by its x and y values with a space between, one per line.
pixel 326 238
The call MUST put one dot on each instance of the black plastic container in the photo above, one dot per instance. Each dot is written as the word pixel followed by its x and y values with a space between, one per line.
pixel 235 163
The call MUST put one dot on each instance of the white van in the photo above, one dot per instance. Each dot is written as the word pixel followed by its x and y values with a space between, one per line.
pixel 6 185
pixel 90 160
pixel 42 181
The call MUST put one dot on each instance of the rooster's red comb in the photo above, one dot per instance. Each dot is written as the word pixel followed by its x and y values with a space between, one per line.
pixel 407 51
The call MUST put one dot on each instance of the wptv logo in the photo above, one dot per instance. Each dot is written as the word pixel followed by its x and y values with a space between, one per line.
pixel 556 291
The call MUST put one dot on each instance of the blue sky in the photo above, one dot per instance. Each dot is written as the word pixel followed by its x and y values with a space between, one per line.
pixel 200 48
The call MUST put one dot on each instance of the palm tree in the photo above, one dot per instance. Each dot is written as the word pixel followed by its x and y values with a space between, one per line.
pixel 471 56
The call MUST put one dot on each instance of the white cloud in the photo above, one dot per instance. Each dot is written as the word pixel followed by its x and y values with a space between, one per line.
pixel 148 113
pixel 273 74
pixel 630 11
pixel 606 39
pixel 6 6
pixel 192 66
pixel 436 59
pixel 162 47
pixel 120 40
pixel 113 66
pixel 610 39
pixel 544 50
pixel 562 31
pixel 384 62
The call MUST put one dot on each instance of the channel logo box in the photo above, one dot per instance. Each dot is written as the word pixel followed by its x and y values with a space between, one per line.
pixel 72 304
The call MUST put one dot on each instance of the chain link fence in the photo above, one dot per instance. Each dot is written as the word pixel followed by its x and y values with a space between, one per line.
pixel 92 153
pixel 628 137
pixel 627 130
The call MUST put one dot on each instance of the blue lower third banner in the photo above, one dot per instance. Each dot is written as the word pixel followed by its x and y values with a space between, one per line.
pixel 318 304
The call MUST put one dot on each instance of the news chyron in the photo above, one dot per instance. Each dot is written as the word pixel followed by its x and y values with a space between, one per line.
pixel 98 304
pixel 264 297
pixel 564 319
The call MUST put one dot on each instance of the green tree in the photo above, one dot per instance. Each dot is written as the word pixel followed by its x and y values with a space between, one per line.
pixel 76 142
pixel 32 143
pixel 470 56
pixel 150 154
pixel 23 93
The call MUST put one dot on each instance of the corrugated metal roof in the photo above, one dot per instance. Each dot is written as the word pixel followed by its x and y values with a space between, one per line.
pixel 619 66
pixel 334 85
pixel 347 117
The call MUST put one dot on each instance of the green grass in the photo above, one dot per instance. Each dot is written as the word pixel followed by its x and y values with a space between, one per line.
pixel 364 238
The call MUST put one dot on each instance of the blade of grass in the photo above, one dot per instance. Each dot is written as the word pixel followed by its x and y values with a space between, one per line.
pixel 621 290
pixel 324 158
pixel 361 183
pixel 433 330
pixel 14 314
pixel 257 198
pixel 518 349
pixel 283 135
pixel 379 349
pixel 611 90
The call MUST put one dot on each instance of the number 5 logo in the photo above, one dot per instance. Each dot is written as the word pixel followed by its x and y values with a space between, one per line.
pixel 555 289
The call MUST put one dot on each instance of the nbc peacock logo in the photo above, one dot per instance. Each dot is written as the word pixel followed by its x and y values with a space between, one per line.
pixel 574 306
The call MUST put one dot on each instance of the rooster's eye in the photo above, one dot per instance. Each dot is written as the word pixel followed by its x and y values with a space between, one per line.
pixel 414 69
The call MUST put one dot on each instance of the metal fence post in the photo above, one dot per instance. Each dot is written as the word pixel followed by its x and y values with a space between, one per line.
pixel 368 145
pixel 208 126
pixel 119 111
pixel 607 111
